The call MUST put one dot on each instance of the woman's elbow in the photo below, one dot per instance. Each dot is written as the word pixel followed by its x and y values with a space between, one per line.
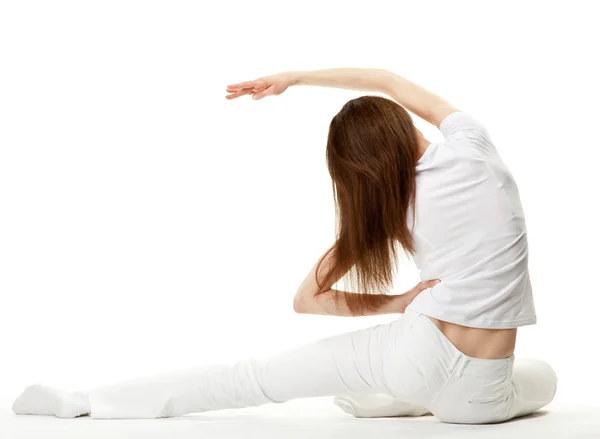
pixel 306 304
pixel 300 305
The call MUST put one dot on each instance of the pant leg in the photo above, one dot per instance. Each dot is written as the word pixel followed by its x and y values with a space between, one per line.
pixel 364 361
pixel 534 386
pixel 485 391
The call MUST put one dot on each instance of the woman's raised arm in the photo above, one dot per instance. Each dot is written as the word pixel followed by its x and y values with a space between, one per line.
pixel 416 99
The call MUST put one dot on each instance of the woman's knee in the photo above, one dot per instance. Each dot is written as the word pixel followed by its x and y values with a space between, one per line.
pixel 534 380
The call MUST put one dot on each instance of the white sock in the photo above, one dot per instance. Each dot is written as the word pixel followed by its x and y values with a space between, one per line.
pixel 377 406
pixel 42 400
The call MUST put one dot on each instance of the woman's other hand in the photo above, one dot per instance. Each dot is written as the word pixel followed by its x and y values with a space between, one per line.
pixel 259 88
pixel 410 295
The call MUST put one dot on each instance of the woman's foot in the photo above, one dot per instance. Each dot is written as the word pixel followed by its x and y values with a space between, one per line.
pixel 377 406
pixel 42 400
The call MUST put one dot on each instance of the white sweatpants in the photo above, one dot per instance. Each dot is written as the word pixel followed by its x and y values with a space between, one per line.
pixel 409 359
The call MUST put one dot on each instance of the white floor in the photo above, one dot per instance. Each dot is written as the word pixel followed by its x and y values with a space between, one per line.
pixel 305 419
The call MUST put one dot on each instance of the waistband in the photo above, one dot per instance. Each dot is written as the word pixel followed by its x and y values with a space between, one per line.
pixel 464 364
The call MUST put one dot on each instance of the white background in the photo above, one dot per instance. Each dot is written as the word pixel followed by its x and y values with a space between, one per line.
pixel 147 224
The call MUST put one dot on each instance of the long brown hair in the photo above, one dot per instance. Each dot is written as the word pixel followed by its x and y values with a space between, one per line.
pixel 371 157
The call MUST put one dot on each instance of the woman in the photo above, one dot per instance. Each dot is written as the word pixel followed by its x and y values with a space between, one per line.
pixel 455 208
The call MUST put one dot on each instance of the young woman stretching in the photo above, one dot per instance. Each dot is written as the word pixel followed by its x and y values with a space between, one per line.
pixel 453 206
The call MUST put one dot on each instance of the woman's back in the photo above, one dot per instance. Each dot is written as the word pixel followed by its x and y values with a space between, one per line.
pixel 479 342
pixel 470 233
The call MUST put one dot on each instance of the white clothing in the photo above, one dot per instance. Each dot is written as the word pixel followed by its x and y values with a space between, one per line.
pixel 408 358
pixel 470 232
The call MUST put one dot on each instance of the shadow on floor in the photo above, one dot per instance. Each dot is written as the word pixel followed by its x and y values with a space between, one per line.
pixel 244 418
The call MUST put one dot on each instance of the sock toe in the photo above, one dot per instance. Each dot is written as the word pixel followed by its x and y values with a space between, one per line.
pixel 42 400
pixel 346 405
pixel 34 400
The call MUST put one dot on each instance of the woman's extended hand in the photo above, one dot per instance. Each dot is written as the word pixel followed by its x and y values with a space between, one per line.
pixel 259 88
pixel 410 295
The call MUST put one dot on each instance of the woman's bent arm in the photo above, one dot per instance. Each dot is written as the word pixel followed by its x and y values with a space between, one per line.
pixel 334 303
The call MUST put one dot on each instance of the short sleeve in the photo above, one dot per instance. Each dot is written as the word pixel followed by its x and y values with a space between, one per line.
pixel 461 125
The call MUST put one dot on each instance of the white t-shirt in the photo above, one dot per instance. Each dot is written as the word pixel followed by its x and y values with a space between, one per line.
pixel 470 232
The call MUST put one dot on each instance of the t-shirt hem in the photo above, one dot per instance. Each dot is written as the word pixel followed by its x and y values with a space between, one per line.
pixel 485 324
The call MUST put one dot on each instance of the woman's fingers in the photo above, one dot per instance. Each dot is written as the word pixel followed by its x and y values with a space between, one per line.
pixel 239 93
pixel 236 87
pixel 255 84
pixel 427 284
pixel 259 88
